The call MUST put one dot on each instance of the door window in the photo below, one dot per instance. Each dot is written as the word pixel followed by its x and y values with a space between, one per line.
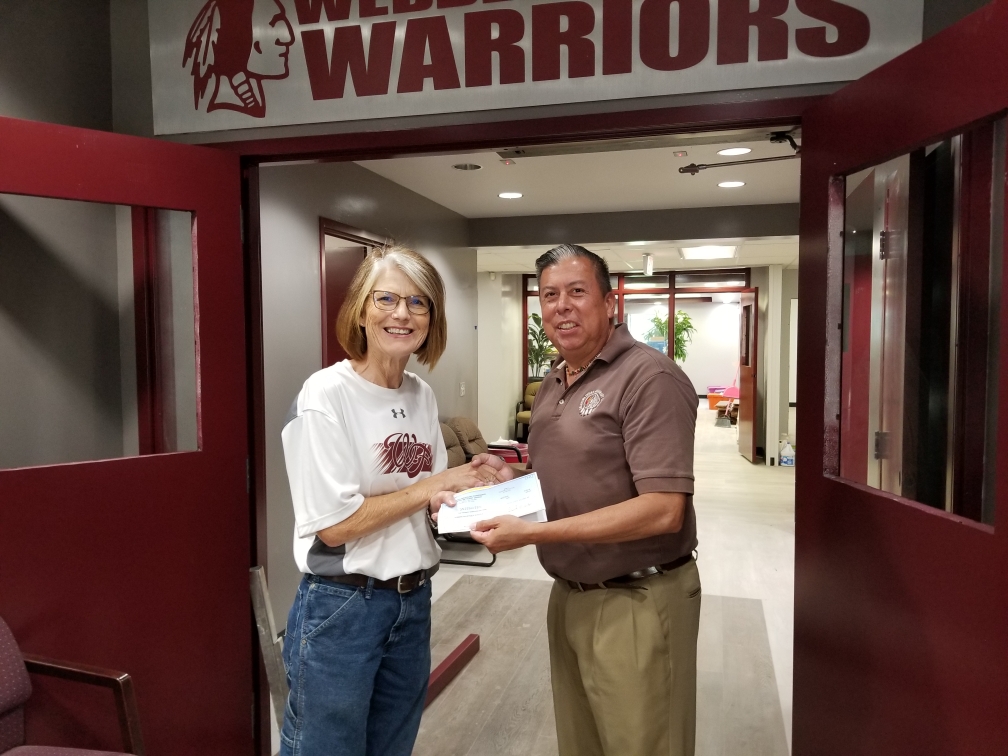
pixel 98 354
pixel 922 258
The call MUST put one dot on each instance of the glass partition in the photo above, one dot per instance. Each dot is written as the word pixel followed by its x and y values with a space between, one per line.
pixel 97 331
pixel 919 346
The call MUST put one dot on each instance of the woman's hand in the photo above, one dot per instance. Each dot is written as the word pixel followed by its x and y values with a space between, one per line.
pixel 445 498
pixel 483 470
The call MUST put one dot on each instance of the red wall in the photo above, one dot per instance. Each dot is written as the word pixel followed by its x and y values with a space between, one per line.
pixel 901 611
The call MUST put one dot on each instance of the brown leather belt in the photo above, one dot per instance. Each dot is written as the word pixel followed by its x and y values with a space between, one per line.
pixel 402 584
pixel 627 581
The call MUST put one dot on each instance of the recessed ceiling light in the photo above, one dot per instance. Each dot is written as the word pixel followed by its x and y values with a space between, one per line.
pixel 467 166
pixel 731 184
pixel 636 244
pixel 510 195
pixel 733 151
pixel 709 252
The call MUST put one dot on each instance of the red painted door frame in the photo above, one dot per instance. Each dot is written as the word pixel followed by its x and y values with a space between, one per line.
pixel 141 563
pixel 901 611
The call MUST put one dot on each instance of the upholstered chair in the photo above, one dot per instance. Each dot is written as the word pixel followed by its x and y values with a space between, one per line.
pixel 15 690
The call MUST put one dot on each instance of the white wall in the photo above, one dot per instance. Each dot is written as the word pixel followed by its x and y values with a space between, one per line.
pixel 500 351
pixel 292 198
pixel 712 357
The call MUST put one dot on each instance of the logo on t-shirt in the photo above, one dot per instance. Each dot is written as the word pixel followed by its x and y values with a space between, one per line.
pixel 402 453
pixel 399 413
pixel 590 401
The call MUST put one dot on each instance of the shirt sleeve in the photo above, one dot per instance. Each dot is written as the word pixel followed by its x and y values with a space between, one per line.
pixel 658 432
pixel 323 471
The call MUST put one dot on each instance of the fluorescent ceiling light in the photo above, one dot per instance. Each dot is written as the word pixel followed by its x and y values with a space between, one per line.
pixel 710 252
pixel 510 195
pixel 731 184
pixel 636 244
pixel 733 151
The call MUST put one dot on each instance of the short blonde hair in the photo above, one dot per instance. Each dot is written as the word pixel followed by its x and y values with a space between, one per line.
pixel 419 270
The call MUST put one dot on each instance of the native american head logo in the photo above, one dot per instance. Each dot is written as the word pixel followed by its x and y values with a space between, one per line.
pixel 233 46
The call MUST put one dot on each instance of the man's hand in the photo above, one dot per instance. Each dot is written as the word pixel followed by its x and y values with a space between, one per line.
pixel 504 533
pixel 502 470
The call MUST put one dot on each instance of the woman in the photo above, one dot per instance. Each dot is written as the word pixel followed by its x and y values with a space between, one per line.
pixel 365 458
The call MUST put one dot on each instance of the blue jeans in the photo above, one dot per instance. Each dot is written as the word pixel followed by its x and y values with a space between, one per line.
pixel 358 661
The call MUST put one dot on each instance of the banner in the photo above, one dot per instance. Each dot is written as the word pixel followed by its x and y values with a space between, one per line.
pixel 233 64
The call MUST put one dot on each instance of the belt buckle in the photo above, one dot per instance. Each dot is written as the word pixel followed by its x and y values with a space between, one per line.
pixel 421 579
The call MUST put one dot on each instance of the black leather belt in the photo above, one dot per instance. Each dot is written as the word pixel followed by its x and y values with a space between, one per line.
pixel 626 581
pixel 402 584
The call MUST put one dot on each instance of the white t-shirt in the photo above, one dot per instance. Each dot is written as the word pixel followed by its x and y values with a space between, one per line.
pixel 347 439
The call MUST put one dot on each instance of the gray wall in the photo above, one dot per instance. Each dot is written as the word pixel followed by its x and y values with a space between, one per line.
pixel 598 228
pixel 55 62
pixel 292 198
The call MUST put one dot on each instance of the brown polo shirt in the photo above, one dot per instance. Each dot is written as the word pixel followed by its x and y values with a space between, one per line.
pixel 625 428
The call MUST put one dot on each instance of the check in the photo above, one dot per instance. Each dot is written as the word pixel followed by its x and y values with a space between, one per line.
pixel 521 497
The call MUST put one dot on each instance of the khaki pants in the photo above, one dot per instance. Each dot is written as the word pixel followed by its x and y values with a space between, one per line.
pixel 623 662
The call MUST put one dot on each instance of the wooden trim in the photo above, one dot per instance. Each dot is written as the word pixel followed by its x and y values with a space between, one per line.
pixel 329 227
pixel 449 669
pixel 255 379
pixel 373 143
pixel 120 683
pixel 712 289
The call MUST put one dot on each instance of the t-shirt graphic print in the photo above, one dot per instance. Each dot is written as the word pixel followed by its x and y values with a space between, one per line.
pixel 346 439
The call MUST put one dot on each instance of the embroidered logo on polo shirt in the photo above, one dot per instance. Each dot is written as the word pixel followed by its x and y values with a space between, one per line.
pixel 590 401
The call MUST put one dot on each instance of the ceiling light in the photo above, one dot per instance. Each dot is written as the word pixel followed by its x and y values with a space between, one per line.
pixel 710 252
pixel 636 244
pixel 733 151
pixel 510 195
pixel 648 264
pixel 467 166
pixel 731 184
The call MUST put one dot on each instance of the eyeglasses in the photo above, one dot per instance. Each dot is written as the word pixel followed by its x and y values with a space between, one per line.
pixel 389 300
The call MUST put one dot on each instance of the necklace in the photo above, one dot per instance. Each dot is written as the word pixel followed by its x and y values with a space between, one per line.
pixel 578 371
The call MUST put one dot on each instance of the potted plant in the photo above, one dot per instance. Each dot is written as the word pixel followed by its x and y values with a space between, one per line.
pixel 684 330
pixel 540 350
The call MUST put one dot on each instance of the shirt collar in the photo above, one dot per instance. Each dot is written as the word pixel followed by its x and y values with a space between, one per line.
pixel 619 342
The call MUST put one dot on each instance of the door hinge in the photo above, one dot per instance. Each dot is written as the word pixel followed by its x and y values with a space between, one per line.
pixel 881 445
pixel 883 245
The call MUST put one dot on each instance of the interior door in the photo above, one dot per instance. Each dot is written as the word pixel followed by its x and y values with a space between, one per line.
pixel 901 586
pixel 748 350
pixel 132 553
pixel 340 260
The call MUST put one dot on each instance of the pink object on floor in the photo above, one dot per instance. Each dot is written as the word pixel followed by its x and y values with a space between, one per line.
pixel 731 392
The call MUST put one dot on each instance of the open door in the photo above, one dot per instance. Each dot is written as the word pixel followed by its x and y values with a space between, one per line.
pixel 124 510
pixel 748 350
pixel 901 586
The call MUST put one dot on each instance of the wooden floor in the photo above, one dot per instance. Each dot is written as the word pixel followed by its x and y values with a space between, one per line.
pixel 502 702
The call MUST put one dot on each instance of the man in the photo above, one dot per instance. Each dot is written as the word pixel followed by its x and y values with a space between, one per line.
pixel 611 438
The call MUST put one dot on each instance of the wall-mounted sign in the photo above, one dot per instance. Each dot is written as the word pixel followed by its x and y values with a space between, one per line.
pixel 232 64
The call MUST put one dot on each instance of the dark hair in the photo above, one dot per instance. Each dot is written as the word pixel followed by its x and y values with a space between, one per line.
pixel 555 255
